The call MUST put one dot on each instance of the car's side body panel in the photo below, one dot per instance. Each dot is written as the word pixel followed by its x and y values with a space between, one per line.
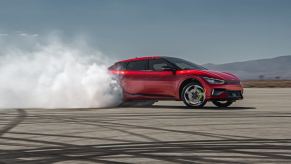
pixel 150 83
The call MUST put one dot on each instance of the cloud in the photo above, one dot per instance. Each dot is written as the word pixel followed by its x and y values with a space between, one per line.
pixel 26 34
pixel 3 35
pixel 34 35
pixel 23 34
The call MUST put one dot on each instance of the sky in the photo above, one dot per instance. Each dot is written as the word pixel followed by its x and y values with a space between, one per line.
pixel 203 31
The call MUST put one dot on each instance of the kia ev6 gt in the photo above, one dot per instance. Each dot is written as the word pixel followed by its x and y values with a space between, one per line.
pixel 155 78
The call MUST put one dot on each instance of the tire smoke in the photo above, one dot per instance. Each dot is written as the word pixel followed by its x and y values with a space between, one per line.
pixel 53 74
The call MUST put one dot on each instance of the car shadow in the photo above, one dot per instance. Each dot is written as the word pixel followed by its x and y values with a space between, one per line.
pixel 187 108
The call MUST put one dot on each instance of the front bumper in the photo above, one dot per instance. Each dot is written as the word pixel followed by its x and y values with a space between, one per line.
pixel 223 94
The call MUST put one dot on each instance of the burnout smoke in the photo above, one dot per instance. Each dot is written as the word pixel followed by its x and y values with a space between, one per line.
pixel 54 75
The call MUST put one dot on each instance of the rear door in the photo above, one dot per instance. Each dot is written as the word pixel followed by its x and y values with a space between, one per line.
pixel 133 79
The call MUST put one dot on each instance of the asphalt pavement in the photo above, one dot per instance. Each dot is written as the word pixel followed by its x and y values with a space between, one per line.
pixel 255 130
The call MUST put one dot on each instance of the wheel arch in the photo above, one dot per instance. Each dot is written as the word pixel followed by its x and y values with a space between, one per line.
pixel 187 81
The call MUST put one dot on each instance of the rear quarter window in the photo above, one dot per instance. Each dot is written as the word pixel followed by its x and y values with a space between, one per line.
pixel 118 66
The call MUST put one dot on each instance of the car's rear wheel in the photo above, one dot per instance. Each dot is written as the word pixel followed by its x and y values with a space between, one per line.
pixel 193 95
pixel 222 104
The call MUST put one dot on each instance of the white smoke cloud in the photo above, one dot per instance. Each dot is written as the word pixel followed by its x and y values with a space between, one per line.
pixel 54 74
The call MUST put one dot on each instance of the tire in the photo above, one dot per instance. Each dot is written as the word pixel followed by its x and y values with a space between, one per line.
pixel 222 104
pixel 193 95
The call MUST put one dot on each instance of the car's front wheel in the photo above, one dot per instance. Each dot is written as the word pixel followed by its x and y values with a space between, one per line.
pixel 193 95
pixel 222 104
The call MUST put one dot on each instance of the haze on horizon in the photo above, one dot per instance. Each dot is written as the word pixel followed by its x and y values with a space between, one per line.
pixel 204 31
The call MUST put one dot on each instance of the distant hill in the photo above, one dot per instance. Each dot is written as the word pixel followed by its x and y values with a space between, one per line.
pixel 272 68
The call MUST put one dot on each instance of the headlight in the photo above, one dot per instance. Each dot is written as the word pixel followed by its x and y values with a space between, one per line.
pixel 213 80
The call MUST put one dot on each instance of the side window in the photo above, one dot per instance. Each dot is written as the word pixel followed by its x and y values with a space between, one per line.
pixel 121 66
pixel 137 65
pixel 157 64
pixel 118 66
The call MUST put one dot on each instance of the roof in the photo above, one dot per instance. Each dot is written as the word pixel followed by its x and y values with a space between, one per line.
pixel 140 58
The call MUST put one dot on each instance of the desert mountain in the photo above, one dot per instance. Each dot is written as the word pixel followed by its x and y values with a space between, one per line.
pixel 272 68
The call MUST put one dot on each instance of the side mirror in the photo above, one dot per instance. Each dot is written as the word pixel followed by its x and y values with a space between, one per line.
pixel 168 68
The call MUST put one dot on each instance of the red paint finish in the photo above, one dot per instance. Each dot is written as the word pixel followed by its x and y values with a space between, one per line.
pixel 167 84
pixel 159 83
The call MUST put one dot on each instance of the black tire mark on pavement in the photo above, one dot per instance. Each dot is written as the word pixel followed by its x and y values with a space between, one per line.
pixel 21 114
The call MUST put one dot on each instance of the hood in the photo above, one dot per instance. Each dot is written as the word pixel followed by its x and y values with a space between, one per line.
pixel 220 75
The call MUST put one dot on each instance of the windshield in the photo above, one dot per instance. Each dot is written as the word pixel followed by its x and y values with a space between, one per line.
pixel 183 64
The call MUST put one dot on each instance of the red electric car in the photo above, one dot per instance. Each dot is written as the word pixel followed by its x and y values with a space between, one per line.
pixel 167 78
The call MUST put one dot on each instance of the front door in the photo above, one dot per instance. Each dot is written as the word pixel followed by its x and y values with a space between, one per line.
pixel 158 81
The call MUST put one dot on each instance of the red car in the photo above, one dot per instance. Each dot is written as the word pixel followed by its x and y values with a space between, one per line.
pixel 167 78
